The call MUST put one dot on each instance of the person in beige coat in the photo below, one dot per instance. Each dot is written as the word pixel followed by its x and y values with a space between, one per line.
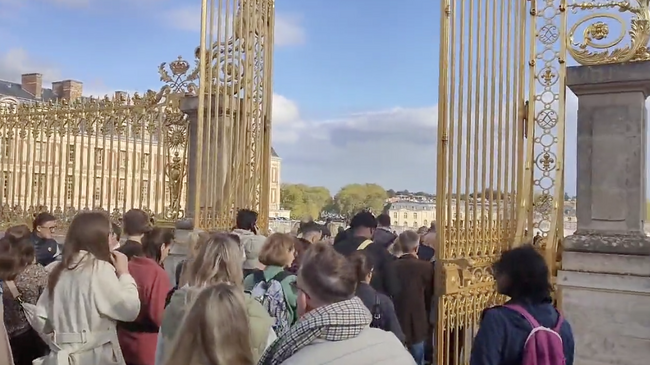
pixel 334 326
pixel 87 293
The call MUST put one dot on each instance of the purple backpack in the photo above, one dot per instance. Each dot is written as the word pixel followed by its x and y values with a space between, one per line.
pixel 543 345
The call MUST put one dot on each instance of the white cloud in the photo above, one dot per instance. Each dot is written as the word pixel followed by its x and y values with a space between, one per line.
pixel 288 28
pixel 394 147
pixel 16 62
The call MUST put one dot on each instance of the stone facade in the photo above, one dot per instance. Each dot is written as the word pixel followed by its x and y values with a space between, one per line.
pixel 605 277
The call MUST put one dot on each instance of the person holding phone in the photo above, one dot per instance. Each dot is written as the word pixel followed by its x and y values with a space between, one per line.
pixel 251 241
pixel 86 294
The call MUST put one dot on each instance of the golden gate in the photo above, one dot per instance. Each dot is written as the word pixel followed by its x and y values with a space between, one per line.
pixel 500 167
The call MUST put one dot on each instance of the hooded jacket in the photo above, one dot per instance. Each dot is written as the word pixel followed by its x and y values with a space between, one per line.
pixel 384 237
pixel 252 244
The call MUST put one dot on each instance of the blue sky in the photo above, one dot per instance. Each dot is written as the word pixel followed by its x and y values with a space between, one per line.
pixel 349 48
pixel 355 82
pixel 340 68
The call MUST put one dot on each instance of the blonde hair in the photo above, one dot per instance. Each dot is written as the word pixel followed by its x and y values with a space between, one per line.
pixel 195 241
pixel 219 260
pixel 277 249
pixel 215 329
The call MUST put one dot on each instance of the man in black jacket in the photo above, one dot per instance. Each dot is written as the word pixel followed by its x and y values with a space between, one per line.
pixel 362 228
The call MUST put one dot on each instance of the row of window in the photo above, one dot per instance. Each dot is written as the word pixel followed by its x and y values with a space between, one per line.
pixel 425 223
pixel 406 215
pixel 39 184
pixel 40 154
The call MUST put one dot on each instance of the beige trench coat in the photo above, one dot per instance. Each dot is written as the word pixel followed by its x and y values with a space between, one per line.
pixel 82 312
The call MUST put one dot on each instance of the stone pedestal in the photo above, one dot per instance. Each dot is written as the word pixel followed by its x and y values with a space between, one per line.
pixel 215 153
pixel 605 276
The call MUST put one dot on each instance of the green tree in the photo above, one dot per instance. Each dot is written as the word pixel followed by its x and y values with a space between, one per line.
pixel 353 198
pixel 304 200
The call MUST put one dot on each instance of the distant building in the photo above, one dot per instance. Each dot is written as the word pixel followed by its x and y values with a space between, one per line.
pixel 275 211
pixel 81 171
pixel 412 214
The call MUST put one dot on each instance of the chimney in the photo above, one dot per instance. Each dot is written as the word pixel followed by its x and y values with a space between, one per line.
pixel 121 95
pixel 33 84
pixel 67 89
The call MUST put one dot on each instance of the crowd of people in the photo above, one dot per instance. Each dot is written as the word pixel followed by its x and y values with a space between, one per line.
pixel 242 297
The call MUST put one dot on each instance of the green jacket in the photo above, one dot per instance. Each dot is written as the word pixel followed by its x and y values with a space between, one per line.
pixel 290 295
pixel 260 323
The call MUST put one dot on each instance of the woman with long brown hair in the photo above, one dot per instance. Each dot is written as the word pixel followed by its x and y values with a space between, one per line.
pixel 219 260
pixel 86 294
pixel 138 338
pixel 24 281
pixel 215 330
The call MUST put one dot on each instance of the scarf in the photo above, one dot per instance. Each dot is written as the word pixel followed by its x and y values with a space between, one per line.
pixel 335 322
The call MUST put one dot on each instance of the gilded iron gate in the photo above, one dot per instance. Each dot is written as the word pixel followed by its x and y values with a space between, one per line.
pixel 234 111
pixel 500 143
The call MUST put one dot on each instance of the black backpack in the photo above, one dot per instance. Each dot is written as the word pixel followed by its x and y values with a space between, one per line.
pixel 377 317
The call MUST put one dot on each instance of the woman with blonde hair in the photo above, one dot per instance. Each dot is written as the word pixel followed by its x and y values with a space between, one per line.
pixel 215 330
pixel 219 260
pixel 87 293
pixel 195 241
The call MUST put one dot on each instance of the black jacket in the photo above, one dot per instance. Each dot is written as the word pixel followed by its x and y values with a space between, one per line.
pixel 368 296
pixel 426 253
pixel 383 278
pixel 47 250
pixel 343 235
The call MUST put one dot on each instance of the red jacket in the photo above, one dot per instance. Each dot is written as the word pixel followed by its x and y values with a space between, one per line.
pixel 138 338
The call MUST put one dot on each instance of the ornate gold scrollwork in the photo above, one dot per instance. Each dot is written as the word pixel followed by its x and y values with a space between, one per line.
pixel 464 274
pixel 236 99
pixel 67 156
pixel 593 51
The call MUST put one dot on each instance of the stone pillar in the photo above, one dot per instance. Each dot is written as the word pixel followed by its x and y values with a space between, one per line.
pixel 605 275
pixel 215 154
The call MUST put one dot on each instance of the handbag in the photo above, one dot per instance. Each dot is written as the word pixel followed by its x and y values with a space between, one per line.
pixel 35 320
